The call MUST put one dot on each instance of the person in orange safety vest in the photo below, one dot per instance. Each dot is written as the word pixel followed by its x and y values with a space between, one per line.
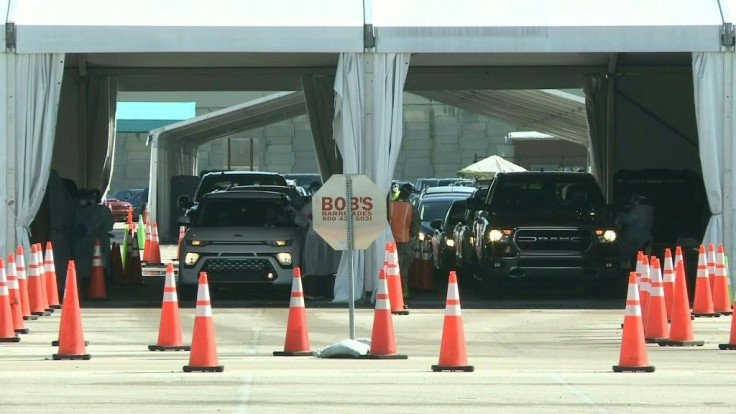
pixel 405 225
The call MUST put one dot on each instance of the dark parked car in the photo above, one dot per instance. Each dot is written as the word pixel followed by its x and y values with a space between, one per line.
pixel 434 208
pixel 465 259
pixel 443 245
pixel 546 226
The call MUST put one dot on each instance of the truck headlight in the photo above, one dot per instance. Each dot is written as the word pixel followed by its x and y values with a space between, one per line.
pixel 450 243
pixel 284 259
pixel 495 235
pixel 606 236
pixel 281 243
pixel 191 259
pixel 195 242
pixel 421 236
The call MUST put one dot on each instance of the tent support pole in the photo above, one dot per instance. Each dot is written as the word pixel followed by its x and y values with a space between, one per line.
pixel 728 156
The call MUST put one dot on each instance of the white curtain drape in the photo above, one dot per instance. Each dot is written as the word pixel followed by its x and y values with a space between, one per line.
pixel 714 109
pixel 368 130
pixel 37 90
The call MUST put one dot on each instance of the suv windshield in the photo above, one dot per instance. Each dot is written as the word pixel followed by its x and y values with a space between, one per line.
pixel 533 193
pixel 253 212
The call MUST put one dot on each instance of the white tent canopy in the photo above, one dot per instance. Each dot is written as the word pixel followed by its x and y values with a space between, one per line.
pixel 488 167
pixel 614 48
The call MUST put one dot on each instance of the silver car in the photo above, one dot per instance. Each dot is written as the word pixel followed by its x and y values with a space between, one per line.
pixel 241 238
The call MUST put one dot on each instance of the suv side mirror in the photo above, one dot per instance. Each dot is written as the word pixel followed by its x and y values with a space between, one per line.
pixel 436 224
pixel 184 202
pixel 184 220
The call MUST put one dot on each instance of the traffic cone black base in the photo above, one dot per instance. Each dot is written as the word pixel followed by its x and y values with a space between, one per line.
pixel 440 368
pixel 58 357
pixel 30 318
pixel 654 340
pixel 44 313
pixel 11 339
pixel 706 315
pixel 50 310
pixel 620 368
pixel 192 368
pixel 680 343
pixel 169 348
pixel 727 347
pixel 56 343
pixel 284 353
pixel 727 313
pixel 22 331
pixel 394 356
pixel 400 312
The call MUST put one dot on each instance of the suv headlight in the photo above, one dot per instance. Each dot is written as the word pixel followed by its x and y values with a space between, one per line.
pixel 421 236
pixel 606 236
pixel 450 243
pixel 284 259
pixel 191 259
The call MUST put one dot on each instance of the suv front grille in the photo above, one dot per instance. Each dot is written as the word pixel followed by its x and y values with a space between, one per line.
pixel 546 240
pixel 238 270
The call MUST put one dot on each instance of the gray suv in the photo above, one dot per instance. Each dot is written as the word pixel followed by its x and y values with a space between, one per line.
pixel 241 238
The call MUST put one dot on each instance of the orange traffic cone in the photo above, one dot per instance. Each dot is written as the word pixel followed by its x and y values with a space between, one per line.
pixel 681 329
pixel 71 336
pixel 668 282
pixel 52 289
pixel 655 325
pixel 155 252
pixel 41 268
pixel 169 328
pixel 133 271
pixel 452 351
pixel 383 345
pixel 182 232
pixel 703 302
pixel 633 356
pixel 297 334
pixel 711 262
pixel 116 264
pixel 203 355
pixel 721 297
pixel 97 288
pixel 678 258
pixel 393 277
pixel 35 292
pixel 425 271
pixel 16 309
pixel 20 271
pixel 644 283
pixel 130 218
pixel 7 331
pixel 146 256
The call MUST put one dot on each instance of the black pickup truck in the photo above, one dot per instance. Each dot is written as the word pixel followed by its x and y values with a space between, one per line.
pixel 545 226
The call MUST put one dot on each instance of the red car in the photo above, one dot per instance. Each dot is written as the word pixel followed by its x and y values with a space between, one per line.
pixel 118 208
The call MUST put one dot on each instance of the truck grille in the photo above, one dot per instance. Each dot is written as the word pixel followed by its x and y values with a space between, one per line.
pixel 238 270
pixel 549 240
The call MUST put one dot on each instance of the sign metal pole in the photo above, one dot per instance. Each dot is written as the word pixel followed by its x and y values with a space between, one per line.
pixel 351 292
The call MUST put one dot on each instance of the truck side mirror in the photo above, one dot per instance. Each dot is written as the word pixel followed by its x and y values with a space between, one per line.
pixel 184 202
